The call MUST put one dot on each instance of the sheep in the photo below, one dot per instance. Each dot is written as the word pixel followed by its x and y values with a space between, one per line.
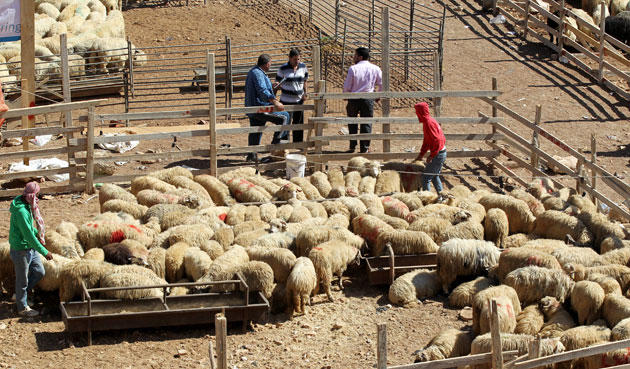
pixel 224 236
pixel 249 226
pixel 74 273
pixel 332 258
pixel 412 200
pixel 316 209
pixel 196 262
pixel 557 318
pixel 160 210
pixel 584 336
pixel 301 284
pixel 446 344
pixel 600 227
pixel 116 205
pixel 532 202
pixel 127 279
pixel 410 175
pixel 387 182
pixel 598 16
pixel 98 234
pixel 111 191
pixel 321 183
pixel 354 205
pixel 364 166
pixel 218 191
pixel 496 227
pixel 404 243
pixel 434 227
pixel 517 240
pixel 242 172
pixel 462 295
pixel 245 191
pixel 336 207
pixel 451 213
pixel 557 225
pixel 338 220
pixel 395 207
pixel 617 6
pixel 58 244
pixel 512 259
pixel 264 183
pixel 151 197
pixel 70 230
pixel 212 248
pixel 587 299
pixel 367 185
pixel 95 254
pixel 481 298
pixel 619 256
pixel 225 266
pixel 157 261
pixel 337 192
pixel 619 272
pixel 608 284
pixel 533 283
pixel 573 255
pixel 519 215
pixel 299 213
pixel 268 212
pixel 395 222
pixel 621 330
pixel 258 276
pixel 248 238
pixel 335 177
pixel 283 240
pixel 353 179
pixel 307 188
pixel 505 311
pixel 550 246
pixel 530 321
pixel 418 284
pixel 150 183
pixel 174 261
pixel 193 234
pixel 469 229
pixel 310 237
pixel 458 257
pixel 196 188
pixel 280 260
pixel 278 301
pixel 613 243
pixel 510 341
pixel 126 252
pixel 615 308
pixel 369 227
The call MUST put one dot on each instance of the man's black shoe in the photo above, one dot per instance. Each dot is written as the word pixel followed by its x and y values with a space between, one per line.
pixel 350 150
pixel 251 157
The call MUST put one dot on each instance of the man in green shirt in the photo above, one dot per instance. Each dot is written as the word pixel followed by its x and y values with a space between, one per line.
pixel 27 242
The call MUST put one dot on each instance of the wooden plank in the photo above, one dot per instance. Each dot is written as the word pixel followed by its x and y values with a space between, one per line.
pixel 509 172
pixel 264 148
pixel 35 173
pixel 602 34
pixel 381 346
pixel 44 190
pixel 26 122
pixel 601 197
pixel 457 361
pixel 53 108
pixel 495 335
pixel 212 113
pixel 403 155
pixel 151 156
pixel 617 71
pixel 594 161
pixel 617 43
pixel 320 107
pixel 403 94
pixel 27 64
pixel 406 136
pixel 535 143
pixel 220 329
pixel 405 120
pixel 36 153
pixel 89 165
pixel 385 64
pixel 39 131
pixel 141 137
pixel 574 354
pixel 274 128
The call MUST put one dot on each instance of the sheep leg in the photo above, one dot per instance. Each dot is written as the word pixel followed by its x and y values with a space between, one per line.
pixel 297 304
pixel 326 281
pixel 340 283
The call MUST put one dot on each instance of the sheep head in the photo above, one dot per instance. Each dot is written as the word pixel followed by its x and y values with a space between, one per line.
pixel 549 306
pixel 429 354
pixel 278 225
pixel 462 216
pixel 372 168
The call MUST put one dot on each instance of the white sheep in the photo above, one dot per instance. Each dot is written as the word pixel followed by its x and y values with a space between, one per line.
pixel 530 320
pixel 418 284
pixel 587 299
pixel 301 284
pixel 196 262
pixel 557 225
pixel 332 258
pixel 280 260
pixel 532 283
pixel 496 227
pixel 446 344
pixel 404 243
pixel 457 257
pixel 364 166
pixel 463 294
pixel 519 215
pixel 482 297
pixel 321 183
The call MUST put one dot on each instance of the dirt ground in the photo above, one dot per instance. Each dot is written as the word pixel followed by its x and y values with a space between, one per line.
pixel 340 334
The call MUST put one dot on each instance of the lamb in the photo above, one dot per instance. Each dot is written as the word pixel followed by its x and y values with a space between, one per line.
pixel 557 225
pixel 212 248
pixel 278 301
pixel 462 295
pixel 364 166
pixel 557 318
pixel 621 330
pixel 312 236
pixel 519 215
pixel 218 191
pixel 557 248
pixel 258 276
pixel 512 259
pixel 335 178
pixel 387 182
pixel 157 261
pixel 505 310
pixel 451 213
pixel 308 189
pixel 128 279
pixel 618 256
pixel 264 183
pixel 418 284
pixel 245 191
pixel 70 230
pixel 509 341
pixel 250 225
pixel 248 238
pixel 336 207
pixel 459 257
pixel 98 234
pixel 116 205
pixel 517 240
pixel 316 209
pixel 530 321
pixel 280 260
pixel 338 220
pixel 481 298
pixel 469 229
pixel 410 174
pixel 226 265
pixel 412 200
pixel 395 208
pixel 111 191
pixel 613 243
pixel 354 205
pixel 434 227
pixel 174 261
pixel 74 273
pixel 95 254
pixel 268 212
pixel 194 187
pixel 196 263
pixel 61 245
pixel 301 284
pixel 126 252
pixel 608 284
pixel 574 255
pixel 289 191
pixel 397 223
pixel 224 236
pixel 160 210
pixel 332 258
pixel 151 197
pixel 584 336
pixel 150 183
pixel 353 179
pixel 600 227
pixel 496 227
pixel 194 235
pixel 533 203
pixel 367 185
pixel 405 243
pixel 532 283
pixel 299 214
pixel 446 344
pixel 236 214
pixel 283 240
pixel 615 309
pixel 321 183
pixel 587 299
pixel 369 227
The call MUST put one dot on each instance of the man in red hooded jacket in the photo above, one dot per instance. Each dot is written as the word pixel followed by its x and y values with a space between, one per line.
pixel 435 143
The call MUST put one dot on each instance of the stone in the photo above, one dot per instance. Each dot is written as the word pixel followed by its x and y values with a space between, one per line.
pixel 465 314
pixel 104 169
pixel 337 325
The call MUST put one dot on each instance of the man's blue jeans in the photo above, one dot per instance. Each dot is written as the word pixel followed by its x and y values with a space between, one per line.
pixel 28 271
pixel 432 172
pixel 259 119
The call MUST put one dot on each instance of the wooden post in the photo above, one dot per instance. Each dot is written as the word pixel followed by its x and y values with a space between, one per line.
pixel 317 65
pixel 594 161
pixel 526 21
pixel 310 10
pixel 130 89
pixel 212 113
pixel 381 346
pixel 561 30
pixel 602 33
pixel 67 97
pixel 535 142
pixel 336 19
pixel 370 29
pixel 229 89
pixel 494 109
pixel 495 335
pixel 578 173
pixel 89 156
pixel 534 349
pixel 406 57
pixel 343 48
pixel 437 85
pixel 386 72
pixel 320 106
pixel 27 63
pixel 220 330
pixel 25 120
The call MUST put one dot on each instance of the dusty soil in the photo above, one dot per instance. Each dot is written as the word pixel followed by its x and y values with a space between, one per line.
pixel 573 108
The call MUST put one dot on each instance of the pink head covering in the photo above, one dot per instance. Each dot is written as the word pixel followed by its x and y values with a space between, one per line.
pixel 30 195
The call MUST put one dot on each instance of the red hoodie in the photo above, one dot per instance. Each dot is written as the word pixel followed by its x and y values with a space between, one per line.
pixel 434 139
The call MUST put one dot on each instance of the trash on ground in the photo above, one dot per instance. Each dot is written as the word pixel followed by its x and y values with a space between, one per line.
pixel 119 147
pixel 499 19
pixel 41 140
pixel 42 164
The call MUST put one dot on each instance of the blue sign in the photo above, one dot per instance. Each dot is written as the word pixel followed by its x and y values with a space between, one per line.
pixel 9 20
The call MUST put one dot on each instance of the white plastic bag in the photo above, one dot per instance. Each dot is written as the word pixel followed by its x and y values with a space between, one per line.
pixel 119 147
pixel 499 19
pixel 41 140
pixel 41 164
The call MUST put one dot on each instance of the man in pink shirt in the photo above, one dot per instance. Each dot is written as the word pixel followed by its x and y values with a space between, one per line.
pixel 363 76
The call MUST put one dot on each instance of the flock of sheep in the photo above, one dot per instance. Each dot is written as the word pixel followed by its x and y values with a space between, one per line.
pixel 171 226
pixel 95 32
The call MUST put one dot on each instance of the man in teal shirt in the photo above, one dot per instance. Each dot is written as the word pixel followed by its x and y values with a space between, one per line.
pixel 26 242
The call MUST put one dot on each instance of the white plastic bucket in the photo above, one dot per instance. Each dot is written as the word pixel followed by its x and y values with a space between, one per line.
pixel 296 164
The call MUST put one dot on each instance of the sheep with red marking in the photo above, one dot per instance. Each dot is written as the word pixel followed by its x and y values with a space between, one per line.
pixel 512 259
pixel 369 228
pixel 395 207
pixel 482 297
pixel 507 316
pixel 245 191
